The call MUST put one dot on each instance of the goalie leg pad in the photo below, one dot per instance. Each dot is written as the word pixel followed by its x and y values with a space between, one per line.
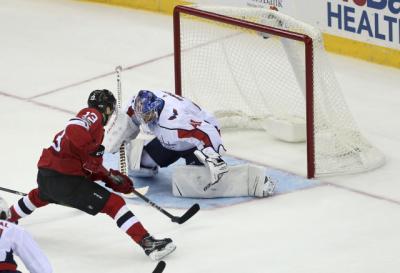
pixel 240 180
pixel 134 150
pixel 140 163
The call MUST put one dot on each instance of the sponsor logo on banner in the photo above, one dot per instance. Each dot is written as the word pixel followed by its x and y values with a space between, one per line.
pixel 264 3
pixel 376 19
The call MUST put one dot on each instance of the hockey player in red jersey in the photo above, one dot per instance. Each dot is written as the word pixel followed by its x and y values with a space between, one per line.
pixel 69 167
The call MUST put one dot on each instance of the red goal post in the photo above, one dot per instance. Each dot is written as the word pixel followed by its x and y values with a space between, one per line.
pixel 192 25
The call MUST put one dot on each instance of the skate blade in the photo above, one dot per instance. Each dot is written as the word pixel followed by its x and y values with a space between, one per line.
pixel 157 255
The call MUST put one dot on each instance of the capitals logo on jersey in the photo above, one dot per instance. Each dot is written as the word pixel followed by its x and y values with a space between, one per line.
pixel 194 123
pixel 174 115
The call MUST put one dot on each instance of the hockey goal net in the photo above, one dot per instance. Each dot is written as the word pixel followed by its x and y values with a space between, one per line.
pixel 258 68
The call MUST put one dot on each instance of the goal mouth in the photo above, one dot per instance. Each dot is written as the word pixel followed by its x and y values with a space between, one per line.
pixel 256 68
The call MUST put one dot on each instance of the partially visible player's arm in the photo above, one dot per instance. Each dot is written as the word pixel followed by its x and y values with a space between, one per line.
pixel 29 252
pixel 200 134
pixel 79 133
pixel 90 153
pixel 93 162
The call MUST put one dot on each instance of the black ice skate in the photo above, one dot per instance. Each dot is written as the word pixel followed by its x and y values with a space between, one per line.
pixel 157 249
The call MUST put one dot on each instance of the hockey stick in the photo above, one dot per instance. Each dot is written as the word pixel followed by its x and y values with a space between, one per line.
pixel 159 267
pixel 122 151
pixel 13 191
pixel 180 220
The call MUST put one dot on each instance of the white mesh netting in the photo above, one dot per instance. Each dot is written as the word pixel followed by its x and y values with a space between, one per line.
pixel 250 79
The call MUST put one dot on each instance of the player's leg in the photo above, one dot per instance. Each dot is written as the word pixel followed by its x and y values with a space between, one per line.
pixel 164 157
pixel 90 197
pixel 80 193
pixel 144 159
pixel 27 204
pixel 116 208
pixel 190 157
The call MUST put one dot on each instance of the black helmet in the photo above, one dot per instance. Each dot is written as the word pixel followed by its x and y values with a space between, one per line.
pixel 100 100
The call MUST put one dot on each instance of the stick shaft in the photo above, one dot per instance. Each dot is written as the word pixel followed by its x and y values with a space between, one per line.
pixel 180 220
pixel 13 191
pixel 154 205
pixel 122 153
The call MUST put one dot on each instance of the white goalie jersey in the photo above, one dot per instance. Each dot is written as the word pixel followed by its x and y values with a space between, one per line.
pixel 182 125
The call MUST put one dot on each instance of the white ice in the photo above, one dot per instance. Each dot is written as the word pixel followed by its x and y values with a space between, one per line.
pixel 53 52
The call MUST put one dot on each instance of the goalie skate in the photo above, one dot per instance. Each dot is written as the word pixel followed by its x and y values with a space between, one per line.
pixel 157 249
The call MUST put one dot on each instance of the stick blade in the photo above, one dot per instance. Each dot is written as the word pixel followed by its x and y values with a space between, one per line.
pixel 159 267
pixel 192 211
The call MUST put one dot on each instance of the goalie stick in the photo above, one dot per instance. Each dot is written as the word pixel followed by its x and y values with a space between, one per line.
pixel 122 151
pixel 159 267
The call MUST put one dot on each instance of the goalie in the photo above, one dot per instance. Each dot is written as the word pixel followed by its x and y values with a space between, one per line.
pixel 182 130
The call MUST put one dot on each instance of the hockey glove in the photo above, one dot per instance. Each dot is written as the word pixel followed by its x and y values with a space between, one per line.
pixel 94 164
pixel 99 152
pixel 118 182
pixel 214 162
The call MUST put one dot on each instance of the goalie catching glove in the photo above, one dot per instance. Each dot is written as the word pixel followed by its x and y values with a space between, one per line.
pixel 114 179
pixel 214 162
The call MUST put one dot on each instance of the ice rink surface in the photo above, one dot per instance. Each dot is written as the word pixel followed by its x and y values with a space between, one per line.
pixel 54 52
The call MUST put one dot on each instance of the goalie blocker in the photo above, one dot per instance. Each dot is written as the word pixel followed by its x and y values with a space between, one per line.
pixel 240 180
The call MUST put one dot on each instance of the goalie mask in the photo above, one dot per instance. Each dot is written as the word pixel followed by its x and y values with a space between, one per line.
pixel 4 211
pixel 104 101
pixel 147 107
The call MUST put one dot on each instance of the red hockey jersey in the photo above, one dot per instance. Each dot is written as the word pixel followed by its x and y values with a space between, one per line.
pixel 72 147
